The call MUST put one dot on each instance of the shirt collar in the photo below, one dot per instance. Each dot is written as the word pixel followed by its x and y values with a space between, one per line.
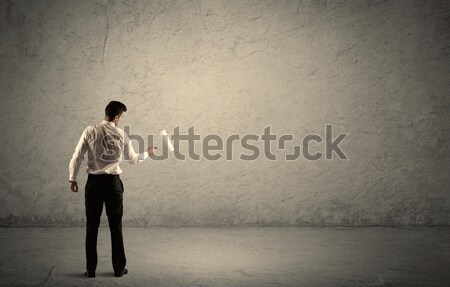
pixel 108 123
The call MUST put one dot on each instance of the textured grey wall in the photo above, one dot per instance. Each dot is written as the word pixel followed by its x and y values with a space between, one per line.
pixel 377 70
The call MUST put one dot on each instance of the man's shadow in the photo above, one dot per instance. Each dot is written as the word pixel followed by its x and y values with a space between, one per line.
pixel 81 274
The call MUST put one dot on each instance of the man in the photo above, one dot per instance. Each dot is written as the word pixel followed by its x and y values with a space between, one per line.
pixel 107 146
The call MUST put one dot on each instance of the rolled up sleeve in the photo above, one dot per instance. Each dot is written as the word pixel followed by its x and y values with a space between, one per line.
pixel 130 155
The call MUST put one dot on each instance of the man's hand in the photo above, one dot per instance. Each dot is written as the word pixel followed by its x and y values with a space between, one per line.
pixel 151 150
pixel 74 186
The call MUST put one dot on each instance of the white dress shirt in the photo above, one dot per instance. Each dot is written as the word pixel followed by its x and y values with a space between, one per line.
pixel 107 146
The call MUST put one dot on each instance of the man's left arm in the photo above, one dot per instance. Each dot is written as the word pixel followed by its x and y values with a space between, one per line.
pixel 75 162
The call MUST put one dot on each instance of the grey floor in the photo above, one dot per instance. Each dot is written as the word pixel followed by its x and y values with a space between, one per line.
pixel 258 256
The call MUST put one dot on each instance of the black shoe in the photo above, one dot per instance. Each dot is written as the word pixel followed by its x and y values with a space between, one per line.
pixel 120 274
pixel 89 274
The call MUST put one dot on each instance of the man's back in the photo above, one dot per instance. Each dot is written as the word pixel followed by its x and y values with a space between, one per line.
pixel 107 146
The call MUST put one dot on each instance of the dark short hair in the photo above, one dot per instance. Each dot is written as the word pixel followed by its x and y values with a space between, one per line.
pixel 114 108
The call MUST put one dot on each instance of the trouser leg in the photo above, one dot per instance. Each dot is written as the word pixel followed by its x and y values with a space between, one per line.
pixel 94 208
pixel 114 210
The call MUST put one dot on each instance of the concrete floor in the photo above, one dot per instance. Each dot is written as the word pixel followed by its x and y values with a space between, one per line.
pixel 264 256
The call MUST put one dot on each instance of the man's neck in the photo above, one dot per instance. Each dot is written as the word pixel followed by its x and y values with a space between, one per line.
pixel 106 119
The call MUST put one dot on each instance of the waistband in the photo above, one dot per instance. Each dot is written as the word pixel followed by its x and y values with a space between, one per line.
pixel 103 175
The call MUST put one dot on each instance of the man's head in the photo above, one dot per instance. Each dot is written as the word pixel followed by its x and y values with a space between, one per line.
pixel 114 110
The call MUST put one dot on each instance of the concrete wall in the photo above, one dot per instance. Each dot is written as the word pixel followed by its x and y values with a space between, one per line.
pixel 377 70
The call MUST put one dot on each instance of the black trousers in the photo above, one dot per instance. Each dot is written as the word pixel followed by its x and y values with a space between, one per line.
pixel 107 189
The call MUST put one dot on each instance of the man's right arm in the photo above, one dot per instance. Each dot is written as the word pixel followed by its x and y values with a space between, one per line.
pixel 131 156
